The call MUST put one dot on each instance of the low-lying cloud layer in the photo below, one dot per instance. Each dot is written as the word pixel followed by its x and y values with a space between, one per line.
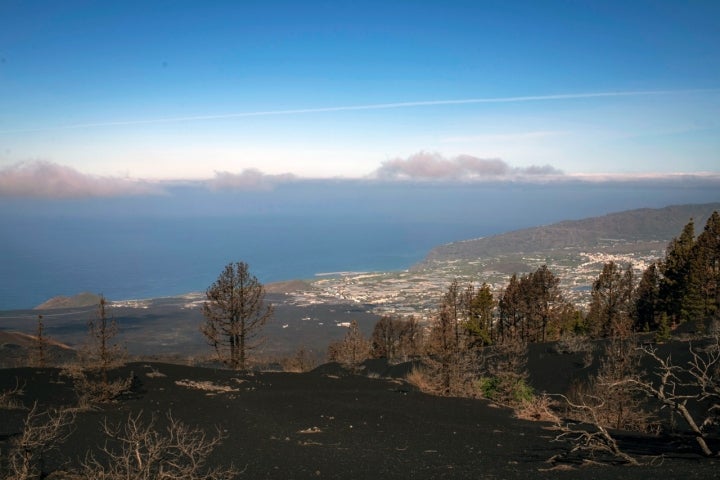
pixel 434 166
pixel 50 180
pixel 54 181
pixel 248 179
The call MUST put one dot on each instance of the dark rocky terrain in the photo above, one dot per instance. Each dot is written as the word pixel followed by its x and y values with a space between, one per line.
pixel 330 424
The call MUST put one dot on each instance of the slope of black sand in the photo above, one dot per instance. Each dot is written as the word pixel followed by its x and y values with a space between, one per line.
pixel 322 425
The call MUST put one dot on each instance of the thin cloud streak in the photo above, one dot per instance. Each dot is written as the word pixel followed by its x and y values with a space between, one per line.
pixel 375 106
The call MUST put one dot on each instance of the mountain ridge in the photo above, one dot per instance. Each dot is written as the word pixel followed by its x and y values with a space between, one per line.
pixel 630 226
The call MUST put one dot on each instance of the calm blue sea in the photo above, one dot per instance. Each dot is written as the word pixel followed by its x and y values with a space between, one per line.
pixel 140 258
pixel 178 243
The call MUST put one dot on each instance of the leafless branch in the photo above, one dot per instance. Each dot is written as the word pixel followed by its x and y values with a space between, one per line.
pixel 143 452
pixel 42 431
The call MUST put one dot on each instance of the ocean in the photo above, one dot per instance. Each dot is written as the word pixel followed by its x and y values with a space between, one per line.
pixel 179 243
pixel 129 258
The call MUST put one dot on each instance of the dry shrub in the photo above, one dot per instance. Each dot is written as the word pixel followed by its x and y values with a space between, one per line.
pixel 42 432
pixel 144 452
pixel 206 386
pixel 591 439
pixel 9 398
pixel 608 398
pixel 419 377
pixel 539 409
pixel 92 388
pixel 154 373
pixel 691 390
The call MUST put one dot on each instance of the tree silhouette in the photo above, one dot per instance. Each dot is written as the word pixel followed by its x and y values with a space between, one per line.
pixel 235 312
pixel 102 352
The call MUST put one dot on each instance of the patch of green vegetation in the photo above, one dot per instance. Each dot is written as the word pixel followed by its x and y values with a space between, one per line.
pixel 505 389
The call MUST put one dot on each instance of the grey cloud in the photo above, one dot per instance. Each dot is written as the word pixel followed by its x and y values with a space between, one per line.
pixel 50 180
pixel 434 166
pixel 249 179
pixel 540 170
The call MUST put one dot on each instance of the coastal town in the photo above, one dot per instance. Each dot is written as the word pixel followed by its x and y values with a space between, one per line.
pixel 417 291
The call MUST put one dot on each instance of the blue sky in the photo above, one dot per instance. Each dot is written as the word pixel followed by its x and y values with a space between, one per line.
pixel 403 89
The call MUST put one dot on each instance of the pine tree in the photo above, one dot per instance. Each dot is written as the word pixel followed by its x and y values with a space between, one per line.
pixel 664 333
pixel 480 307
pixel 647 299
pixel 611 307
pixel 509 311
pixel 705 271
pixel 674 285
pixel 545 294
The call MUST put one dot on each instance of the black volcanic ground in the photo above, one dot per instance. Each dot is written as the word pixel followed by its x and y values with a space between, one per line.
pixel 330 424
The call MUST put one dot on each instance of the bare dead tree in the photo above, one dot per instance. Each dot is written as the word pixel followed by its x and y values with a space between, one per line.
pixel 235 312
pixel 42 432
pixel 692 390
pixel 396 339
pixel 143 452
pixel 100 354
pixel 450 362
pixel 593 438
pixel 624 407
pixel 411 339
pixel 39 352
pixel 101 351
pixel 607 402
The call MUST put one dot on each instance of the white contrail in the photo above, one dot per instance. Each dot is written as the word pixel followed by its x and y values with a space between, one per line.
pixel 373 106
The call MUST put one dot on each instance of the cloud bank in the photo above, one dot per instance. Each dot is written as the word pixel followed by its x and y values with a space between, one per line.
pixel 53 181
pixel 50 180
pixel 426 166
pixel 248 179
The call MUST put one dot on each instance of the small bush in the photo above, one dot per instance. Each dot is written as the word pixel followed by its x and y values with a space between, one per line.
pixel 419 377
pixel 505 389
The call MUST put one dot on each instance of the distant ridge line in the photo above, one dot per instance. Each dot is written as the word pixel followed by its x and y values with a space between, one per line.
pixel 637 225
